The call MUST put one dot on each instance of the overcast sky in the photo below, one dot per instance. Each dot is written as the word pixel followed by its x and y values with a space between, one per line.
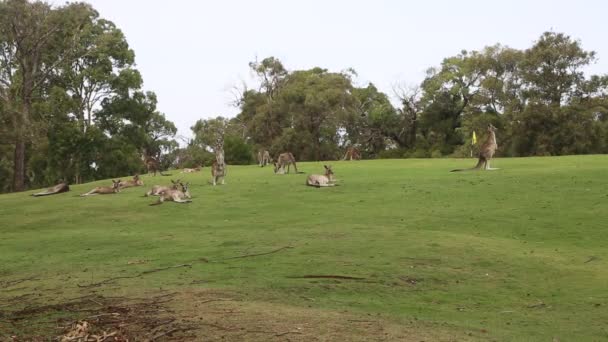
pixel 192 52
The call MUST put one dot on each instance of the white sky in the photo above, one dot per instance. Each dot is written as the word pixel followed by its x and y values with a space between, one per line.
pixel 192 52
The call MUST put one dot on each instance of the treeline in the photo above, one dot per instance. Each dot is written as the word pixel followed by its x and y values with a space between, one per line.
pixel 72 105
pixel 538 98
pixel 71 101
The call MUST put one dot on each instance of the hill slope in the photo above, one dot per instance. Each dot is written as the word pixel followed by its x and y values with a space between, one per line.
pixel 513 254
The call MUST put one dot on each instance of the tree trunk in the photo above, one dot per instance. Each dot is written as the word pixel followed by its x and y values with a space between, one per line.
pixel 19 164
pixel 21 127
pixel 413 132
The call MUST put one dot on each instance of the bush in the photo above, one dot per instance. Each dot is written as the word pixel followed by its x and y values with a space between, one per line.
pixel 237 151
pixel 394 153
pixel 420 154
pixel 436 154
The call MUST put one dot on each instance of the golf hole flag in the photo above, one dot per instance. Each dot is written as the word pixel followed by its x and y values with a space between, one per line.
pixel 474 140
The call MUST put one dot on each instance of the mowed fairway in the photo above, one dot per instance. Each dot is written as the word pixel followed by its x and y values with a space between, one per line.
pixel 518 254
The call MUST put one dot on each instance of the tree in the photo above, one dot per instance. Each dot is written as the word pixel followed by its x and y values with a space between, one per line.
pixel 34 40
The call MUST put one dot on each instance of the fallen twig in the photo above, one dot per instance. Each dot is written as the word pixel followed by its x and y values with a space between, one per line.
pixel 254 255
pixel 593 258
pixel 133 276
pixel 327 276
pixel 218 326
pixel 165 268
pixel 539 305
pixel 287 332
pixel 17 281
pixel 216 300
pixel 169 332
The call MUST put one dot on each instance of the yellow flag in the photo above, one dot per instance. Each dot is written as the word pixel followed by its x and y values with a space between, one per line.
pixel 474 138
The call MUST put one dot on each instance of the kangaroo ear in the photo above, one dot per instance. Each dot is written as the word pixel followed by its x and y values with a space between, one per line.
pixel 325 166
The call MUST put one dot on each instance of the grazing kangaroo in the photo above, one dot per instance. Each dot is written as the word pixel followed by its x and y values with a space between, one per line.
pixel 264 158
pixel 158 189
pixel 105 190
pixel 131 183
pixel 218 168
pixel 285 159
pixel 174 195
pixel 486 152
pixel 322 180
pixel 57 189
pixel 352 153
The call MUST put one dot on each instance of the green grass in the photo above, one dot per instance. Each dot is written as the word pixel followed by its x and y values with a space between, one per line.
pixel 485 248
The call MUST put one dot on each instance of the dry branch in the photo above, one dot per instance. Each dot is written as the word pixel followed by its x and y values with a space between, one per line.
pixel 326 276
pixel 254 255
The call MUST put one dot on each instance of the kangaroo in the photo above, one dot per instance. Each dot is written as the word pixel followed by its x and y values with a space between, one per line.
pixel 218 168
pixel 174 195
pixel 264 158
pixel 322 180
pixel 285 159
pixel 136 181
pixel 57 189
pixel 105 190
pixel 153 166
pixel 486 152
pixel 158 189
pixel 352 153
pixel 189 170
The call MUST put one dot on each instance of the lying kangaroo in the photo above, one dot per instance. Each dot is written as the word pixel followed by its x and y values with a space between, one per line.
pixel 136 181
pixel 322 180
pixel 264 158
pixel 57 189
pixel 174 195
pixel 158 189
pixel 189 170
pixel 486 152
pixel 105 190
pixel 285 159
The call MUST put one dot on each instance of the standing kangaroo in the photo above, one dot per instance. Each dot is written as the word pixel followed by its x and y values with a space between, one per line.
pixel 174 195
pixel 322 180
pixel 486 152
pixel 158 189
pixel 136 181
pixel 105 190
pixel 264 158
pixel 57 189
pixel 285 159
pixel 352 153
pixel 218 168
pixel 153 165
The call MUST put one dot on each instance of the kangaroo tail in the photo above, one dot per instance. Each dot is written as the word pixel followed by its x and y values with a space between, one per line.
pixel 477 167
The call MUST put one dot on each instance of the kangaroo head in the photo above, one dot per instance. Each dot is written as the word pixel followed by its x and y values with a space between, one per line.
pixel 136 177
pixel 185 189
pixel 328 171
pixel 175 184
pixel 116 185
pixel 491 128
pixel 276 167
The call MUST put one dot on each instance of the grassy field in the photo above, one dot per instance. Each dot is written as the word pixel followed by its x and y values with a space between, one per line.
pixel 517 254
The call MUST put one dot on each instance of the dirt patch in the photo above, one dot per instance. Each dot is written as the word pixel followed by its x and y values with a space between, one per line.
pixel 206 315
